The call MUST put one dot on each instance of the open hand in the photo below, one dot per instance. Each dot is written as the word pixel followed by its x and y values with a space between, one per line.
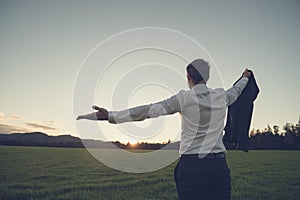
pixel 101 114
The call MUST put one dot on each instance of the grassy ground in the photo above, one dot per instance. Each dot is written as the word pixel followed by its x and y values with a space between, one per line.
pixel 65 173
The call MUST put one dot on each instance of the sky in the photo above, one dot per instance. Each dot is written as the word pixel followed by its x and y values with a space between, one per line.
pixel 44 45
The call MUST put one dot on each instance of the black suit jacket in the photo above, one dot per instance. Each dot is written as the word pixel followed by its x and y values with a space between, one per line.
pixel 239 116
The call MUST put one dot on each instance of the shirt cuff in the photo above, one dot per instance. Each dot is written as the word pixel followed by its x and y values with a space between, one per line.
pixel 242 82
pixel 111 117
pixel 245 78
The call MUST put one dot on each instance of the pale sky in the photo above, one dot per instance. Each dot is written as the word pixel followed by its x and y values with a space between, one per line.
pixel 43 44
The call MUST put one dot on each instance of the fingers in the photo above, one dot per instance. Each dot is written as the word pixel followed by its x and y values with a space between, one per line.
pixel 247 73
pixel 96 107
pixel 79 117
pixel 90 116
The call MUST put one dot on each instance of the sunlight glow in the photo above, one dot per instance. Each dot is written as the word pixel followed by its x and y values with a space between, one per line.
pixel 133 143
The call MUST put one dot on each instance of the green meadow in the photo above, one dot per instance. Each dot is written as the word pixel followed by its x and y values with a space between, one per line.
pixel 72 173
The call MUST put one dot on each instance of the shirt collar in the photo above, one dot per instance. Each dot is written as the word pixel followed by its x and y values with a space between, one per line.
pixel 200 88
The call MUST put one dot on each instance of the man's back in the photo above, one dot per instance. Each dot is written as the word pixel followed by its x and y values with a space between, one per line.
pixel 203 111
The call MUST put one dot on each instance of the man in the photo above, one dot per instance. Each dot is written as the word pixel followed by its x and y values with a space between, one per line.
pixel 202 171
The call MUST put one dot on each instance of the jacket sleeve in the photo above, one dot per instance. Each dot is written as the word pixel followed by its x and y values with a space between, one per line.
pixel 235 91
pixel 139 113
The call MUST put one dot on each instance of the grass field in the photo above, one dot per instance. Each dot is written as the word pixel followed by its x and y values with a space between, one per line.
pixel 67 173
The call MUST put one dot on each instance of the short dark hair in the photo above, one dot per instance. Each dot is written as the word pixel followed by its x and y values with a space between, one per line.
pixel 194 74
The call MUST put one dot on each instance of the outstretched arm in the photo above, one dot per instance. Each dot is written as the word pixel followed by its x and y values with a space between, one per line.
pixel 139 113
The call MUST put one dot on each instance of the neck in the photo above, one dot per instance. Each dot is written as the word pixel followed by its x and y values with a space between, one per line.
pixel 200 82
pixel 192 84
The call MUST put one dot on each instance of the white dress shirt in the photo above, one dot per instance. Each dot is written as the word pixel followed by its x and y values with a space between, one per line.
pixel 203 111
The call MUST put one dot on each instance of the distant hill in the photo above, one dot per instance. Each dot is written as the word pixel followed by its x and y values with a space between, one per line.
pixel 43 140
pixel 39 139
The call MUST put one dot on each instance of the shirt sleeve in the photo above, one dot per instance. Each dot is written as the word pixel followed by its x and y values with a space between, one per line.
pixel 235 91
pixel 139 113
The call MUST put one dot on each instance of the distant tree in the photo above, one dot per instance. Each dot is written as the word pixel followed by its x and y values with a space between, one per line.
pixel 276 129
pixel 289 128
pixel 269 129
pixel 290 139
pixel 252 132
pixel 297 128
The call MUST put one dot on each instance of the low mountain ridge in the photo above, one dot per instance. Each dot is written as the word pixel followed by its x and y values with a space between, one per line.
pixel 39 139
pixel 43 140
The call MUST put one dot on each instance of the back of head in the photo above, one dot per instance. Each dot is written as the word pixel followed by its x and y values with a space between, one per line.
pixel 198 70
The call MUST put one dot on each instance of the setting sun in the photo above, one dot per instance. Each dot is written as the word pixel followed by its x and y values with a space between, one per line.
pixel 133 143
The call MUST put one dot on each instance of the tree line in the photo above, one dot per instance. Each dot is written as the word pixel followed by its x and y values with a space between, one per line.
pixel 272 139
pixel 266 139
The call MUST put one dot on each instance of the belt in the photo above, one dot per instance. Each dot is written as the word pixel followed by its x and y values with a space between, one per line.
pixel 204 156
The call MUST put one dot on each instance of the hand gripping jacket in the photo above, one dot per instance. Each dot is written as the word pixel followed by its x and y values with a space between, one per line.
pixel 239 116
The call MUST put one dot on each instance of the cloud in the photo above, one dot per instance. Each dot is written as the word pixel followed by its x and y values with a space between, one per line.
pixel 49 123
pixel 11 117
pixel 2 116
pixel 32 126
pixel 41 126
pixel 7 128
pixel 14 116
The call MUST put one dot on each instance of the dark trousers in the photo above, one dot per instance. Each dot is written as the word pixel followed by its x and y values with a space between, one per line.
pixel 206 178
